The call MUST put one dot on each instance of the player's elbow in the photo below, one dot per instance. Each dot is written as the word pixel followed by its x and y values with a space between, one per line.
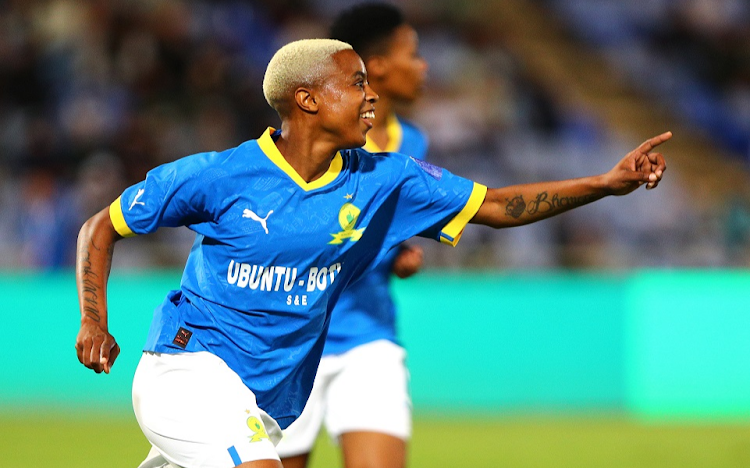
pixel 98 226
pixel 494 215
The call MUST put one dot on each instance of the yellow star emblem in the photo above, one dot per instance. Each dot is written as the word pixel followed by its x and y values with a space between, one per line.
pixel 349 196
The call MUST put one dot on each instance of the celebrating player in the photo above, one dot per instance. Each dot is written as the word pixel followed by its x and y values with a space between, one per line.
pixel 361 389
pixel 284 223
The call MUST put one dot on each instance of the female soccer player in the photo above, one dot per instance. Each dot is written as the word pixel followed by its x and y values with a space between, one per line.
pixel 361 388
pixel 284 223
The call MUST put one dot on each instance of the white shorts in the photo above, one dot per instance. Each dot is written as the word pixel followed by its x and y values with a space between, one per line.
pixel 196 412
pixel 364 389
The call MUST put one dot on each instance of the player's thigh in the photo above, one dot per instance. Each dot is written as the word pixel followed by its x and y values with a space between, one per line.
pixel 297 461
pixel 372 450
pixel 198 413
pixel 299 438
pixel 370 393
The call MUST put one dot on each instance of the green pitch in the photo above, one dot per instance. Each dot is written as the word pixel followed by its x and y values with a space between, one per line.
pixel 92 441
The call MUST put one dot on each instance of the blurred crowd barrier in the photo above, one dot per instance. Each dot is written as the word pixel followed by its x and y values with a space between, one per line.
pixel 93 94
pixel 649 344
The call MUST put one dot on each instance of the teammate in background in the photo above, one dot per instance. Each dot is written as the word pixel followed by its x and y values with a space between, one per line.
pixel 284 223
pixel 361 388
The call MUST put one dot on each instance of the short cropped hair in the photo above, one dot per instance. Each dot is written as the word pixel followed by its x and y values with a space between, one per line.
pixel 299 63
pixel 367 27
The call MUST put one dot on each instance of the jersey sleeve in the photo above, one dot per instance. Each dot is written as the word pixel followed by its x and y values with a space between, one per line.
pixel 435 203
pixel 174 194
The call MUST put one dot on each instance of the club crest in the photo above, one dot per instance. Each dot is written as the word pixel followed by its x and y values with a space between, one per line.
pixel 348 215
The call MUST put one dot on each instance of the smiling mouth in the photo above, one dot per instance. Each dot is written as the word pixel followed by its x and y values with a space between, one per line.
pixel 367 115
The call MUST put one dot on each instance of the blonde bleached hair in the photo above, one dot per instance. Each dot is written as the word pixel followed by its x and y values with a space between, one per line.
pixel 299 63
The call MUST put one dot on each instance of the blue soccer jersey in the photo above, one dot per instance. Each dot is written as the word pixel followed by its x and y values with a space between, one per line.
pixel 365 311
pixel 273 252
pixel 403 137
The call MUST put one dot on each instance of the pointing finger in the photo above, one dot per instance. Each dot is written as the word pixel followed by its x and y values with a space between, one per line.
pixel 652 143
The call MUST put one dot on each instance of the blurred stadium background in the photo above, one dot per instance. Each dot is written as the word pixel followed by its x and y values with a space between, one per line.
pixel 617 335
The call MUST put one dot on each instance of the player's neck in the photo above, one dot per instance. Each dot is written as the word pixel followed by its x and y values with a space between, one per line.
pixel 308 155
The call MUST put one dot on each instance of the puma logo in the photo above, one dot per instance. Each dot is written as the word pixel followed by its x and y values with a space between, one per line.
pixel 135 200
pixel 249 214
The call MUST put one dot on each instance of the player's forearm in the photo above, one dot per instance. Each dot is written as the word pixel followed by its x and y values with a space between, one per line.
pixel 96 242
pixel 517 205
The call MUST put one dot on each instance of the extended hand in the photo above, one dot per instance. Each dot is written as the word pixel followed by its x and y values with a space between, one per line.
pixel 96 348
pixel 408 261
pixel 639 167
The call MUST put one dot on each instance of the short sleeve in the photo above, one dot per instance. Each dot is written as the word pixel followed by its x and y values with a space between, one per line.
pixel 174 194
pixel 435 203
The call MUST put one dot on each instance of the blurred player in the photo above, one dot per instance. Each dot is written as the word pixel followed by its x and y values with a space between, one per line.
pixel 361 389
pixel 284 223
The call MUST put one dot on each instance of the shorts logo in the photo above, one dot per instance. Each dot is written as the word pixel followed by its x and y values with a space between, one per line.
pixel 259 432
pixel 182 337
pixel 348 216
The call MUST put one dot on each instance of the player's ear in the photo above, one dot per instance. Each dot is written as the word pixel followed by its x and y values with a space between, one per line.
pixel 377 67
pixel 306 100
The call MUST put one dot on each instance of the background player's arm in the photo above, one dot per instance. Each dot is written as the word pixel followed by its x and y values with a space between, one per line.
pixel 409 261
pixel 96 348
pixel 523 204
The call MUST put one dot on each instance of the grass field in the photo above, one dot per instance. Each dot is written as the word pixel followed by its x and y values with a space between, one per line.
pixel 98 441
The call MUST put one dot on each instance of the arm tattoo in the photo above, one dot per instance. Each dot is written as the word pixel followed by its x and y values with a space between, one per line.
pixel 91 287
pixel 543 203
pixel 515 206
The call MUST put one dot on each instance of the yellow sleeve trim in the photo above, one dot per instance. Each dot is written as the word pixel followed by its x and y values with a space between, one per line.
pixel 118 220
pixel 452 231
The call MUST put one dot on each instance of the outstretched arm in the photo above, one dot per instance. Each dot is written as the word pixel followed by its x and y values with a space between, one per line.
pixel 96 348
pixel 517 205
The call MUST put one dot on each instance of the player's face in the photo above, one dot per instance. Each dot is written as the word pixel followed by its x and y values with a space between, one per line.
pixel 347 106
pixel 405 70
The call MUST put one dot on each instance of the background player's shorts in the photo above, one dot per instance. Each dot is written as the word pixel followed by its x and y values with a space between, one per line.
pixel 196 412
pixel 364 389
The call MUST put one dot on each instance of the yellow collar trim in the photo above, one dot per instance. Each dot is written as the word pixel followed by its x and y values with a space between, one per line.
pixel 269 148
pixel 395 134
